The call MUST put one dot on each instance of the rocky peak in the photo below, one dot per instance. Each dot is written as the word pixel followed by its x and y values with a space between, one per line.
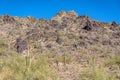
pixel 72 13
pixel 63 14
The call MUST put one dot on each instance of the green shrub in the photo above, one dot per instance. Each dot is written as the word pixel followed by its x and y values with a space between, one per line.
pixel 37 68
pixel 65 59
pixel 114 61
pixel 1 41
pixel 7 53
pixel 98 72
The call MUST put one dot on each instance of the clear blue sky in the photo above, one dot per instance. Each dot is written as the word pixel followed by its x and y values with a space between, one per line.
pixel 103 10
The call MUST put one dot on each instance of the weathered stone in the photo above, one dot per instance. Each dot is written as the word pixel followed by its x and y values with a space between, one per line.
pixel 20 45
pixel 88 28
pixel 114 24
pixel 74 46
pixel 59 40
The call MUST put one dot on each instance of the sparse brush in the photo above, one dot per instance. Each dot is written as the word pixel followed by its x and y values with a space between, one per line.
pixel 98 71
pixel 14 68
pixel 113 61
pixel 65 59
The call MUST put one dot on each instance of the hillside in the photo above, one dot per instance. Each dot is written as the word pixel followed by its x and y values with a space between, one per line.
pixel 73 47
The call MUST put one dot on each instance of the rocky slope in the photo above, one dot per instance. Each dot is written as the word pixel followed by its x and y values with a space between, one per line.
pixel 66 35
pixel 64 32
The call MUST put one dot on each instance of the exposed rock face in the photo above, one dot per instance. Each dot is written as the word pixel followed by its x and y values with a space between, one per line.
pixel 114 24
pixel 64 32
pixel 88 28
pixel 20 45
pixel 59 40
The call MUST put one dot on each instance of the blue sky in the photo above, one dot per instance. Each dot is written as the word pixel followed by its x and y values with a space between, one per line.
pixel 103 10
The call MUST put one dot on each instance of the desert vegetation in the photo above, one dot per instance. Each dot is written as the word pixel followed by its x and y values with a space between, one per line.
pixel 66 47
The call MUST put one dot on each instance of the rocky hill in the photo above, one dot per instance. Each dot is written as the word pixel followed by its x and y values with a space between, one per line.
pixel 66 32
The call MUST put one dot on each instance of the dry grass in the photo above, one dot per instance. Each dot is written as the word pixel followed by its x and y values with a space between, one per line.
pixel 22 68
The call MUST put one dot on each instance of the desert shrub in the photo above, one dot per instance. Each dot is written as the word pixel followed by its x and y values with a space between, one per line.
pixel 65 59
pixel 97 72
pixel 114 61
pixel 8 53
pixel 26 68
pixel 1 41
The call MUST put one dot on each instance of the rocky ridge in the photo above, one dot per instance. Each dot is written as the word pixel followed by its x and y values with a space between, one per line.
pixel 65 32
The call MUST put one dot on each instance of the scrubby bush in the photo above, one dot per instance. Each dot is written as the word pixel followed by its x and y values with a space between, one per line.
pixel 26 68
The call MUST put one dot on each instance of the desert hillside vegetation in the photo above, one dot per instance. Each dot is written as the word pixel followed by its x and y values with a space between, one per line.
pixel 65 47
